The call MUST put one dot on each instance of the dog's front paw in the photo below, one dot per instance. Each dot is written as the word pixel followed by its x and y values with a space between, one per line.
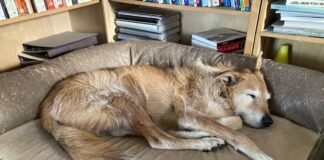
pixel 213 144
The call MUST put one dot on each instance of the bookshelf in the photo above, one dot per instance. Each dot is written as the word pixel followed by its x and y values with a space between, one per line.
pixel 83 17
pixel 193 18
pixel 217 10
pixel 305 51
pixel 46 13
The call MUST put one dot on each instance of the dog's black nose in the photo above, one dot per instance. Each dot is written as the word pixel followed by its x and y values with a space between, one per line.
pixel 266 121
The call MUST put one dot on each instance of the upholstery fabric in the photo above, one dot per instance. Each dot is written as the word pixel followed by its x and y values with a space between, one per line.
pixel 283 141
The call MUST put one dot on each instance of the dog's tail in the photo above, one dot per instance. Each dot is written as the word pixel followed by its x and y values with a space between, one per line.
pixel 80 145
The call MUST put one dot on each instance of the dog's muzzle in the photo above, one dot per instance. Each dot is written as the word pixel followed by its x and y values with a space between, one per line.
pixel 266 121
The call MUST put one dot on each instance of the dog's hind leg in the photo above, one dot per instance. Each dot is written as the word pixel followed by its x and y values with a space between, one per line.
pixel 140 122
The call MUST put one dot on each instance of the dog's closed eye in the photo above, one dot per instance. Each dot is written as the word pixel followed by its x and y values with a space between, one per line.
pixel 251 95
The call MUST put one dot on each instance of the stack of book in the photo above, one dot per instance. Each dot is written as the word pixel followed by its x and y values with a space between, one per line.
pixel 52 46
pixel 223 40
pixel 148 24
pixel 15 8
pixel 243 5
pixel 299 17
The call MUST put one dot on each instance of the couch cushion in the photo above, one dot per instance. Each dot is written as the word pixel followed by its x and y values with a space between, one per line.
pixel 283 141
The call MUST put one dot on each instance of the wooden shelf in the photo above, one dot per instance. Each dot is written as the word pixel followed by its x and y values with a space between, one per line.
pixel 219 10
pixel 45 13
pixel 292 37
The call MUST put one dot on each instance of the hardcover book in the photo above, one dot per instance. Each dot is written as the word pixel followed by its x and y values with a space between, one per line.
pixel 150 27
pixel 157 14
pixel 152 19
pixel 11 8
pixel 22 7
pixel 29 6
pixel 50 4
pixel 219 36
pixel 58 3
pixel 298 14
pixel 305 25
pixel 122 36
pixel 279 28
pixel 281 5
pixel 68 2
pixel 61 43
pixel 39 5
pixel 306 3
pixel 303 19
pixel 2 13
pixel 151 35
pixel 4 8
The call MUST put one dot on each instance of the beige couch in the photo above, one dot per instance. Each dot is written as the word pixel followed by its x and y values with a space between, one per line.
pixel 298 103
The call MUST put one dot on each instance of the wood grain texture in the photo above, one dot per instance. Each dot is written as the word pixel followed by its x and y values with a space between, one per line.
pixel 252 27
pixel 82 21
pixel 193 22
pixel 292 37
pixel 46 13
pixel 304 54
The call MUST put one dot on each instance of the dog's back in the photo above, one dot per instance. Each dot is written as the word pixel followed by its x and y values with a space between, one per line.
pixel 82 104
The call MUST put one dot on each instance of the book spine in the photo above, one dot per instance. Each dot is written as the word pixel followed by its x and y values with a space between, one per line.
pixel 71 47
pixel 306 3
pixel 4 8
pixel 60 3
pixel 231 47
pixel 215 3
pixel 231 41
pixel 29 6
pixel 12 8
pixel 186 2
pixel 242 5
pixel 198 2
pixel 2 13
pixel 68 3
pixel 227 3
pixel 39 5
pixel 237 5
pixel 192 3
pixel 247 5
pixel 21 6
pixel 49 4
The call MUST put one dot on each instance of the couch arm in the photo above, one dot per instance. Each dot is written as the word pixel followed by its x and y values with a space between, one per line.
pixel 298 93
pixel 21 91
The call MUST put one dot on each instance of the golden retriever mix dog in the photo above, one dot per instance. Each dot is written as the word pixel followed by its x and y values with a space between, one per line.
pixel 196 107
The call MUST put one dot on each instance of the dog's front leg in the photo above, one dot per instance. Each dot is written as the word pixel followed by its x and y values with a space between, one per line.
pixel 189 134
pixel 234 122
pixel 214 128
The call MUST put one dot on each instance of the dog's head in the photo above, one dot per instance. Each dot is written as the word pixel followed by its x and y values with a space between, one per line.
pixel 250 97
pixel 248 92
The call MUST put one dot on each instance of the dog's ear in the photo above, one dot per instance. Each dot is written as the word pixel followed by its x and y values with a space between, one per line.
pixel 258 62
pixel 230 77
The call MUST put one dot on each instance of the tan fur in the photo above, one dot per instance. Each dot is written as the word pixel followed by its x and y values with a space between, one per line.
pixel 155 103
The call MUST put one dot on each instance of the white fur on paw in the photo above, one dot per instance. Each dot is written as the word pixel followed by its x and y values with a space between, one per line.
pixel 212 143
